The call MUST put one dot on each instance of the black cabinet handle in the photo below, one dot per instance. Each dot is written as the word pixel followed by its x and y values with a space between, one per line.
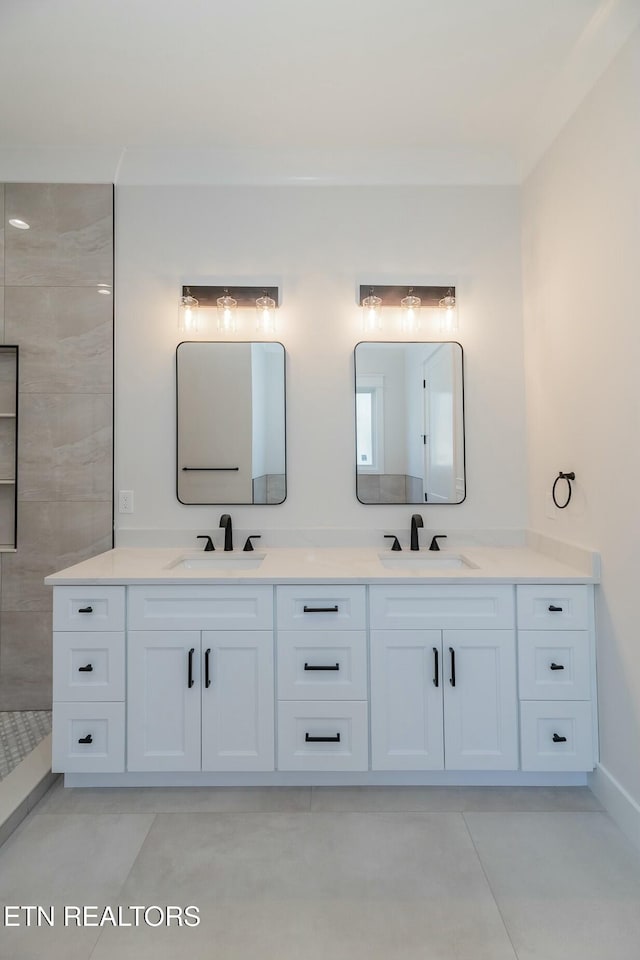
pixel 85 609
pixel 309 739
pixel 191 653
pixel 556 666
pixel 558 739
pixel 436 672
pixel 306 609
pixel 309 666
pixel 452 678
pixel 87 739
pixel 207 678
pixel 87 669
pixel 553 609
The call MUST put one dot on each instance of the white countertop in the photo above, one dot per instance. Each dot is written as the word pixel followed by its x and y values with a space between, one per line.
pixel 131 565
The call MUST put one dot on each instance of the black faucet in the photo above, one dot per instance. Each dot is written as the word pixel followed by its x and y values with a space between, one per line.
pixel 416 521
pixel 225 521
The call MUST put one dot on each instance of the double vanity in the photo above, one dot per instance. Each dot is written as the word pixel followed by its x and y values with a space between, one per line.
pixel 324 665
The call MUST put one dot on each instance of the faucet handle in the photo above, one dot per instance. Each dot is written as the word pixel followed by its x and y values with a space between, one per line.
pixel 434 541
pixel 247 544
pixel 396 543
pixel 209 544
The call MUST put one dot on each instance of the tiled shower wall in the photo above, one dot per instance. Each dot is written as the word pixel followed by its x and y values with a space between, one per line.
pixel 51 308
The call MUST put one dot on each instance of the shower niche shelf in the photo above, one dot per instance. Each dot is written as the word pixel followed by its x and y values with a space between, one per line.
pixel 8 447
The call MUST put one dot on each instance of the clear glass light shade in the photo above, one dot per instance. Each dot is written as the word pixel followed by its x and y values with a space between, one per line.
pixel 371 313
pixel 410 319
pixel 227 314
pixel 448 314
pixel 265 314
pixel 188 315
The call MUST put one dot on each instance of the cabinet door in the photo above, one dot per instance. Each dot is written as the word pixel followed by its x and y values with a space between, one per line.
pixel 480 701
pixel 163 704
pixel 237 700
pixel 406 700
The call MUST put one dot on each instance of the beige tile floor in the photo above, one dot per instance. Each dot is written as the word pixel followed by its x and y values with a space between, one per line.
pixel 411 873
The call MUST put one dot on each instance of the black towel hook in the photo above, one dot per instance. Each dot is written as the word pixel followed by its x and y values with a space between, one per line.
pixel 563 476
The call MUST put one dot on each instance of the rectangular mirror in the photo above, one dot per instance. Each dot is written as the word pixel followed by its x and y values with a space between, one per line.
pixel 409 423
pixel 231 445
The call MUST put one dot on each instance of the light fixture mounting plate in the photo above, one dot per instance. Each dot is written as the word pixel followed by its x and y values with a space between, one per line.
pixel 245 296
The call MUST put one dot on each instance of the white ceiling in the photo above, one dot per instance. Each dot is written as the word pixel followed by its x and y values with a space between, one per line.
pixel 363 90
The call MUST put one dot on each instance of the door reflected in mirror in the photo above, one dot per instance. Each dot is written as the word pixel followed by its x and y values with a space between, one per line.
pixel 409 423
pixel 231 443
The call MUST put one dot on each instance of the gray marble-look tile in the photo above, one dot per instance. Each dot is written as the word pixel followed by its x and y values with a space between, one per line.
pixel 2 337
pixel 567 884
pixel 64 450
pixel 25 661
pixel 71 237
pixel 398 799
pixel 63 861
pixel 368 487
pixel 65 336
pixel 176 800
pixel 392 488
pixel 7 448
pixel 313 885
pixel 2 222
pixel 51 536
pixel 7 514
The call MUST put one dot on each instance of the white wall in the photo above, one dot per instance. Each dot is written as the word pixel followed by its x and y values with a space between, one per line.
pixel 581 256
pixel 318 244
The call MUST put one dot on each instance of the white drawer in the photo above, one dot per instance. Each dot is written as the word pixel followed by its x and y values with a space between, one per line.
pixel 556 735
pixel 553 607
pixel 88 738
pixel 328 665
pixel 322 735
pixel 88 608
pixel 88 666
pixel 444 607
pixel 554 665
pixel 200 607
pixel 321 607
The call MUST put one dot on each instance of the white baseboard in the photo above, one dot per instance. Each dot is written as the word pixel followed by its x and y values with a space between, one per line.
pixel 619 804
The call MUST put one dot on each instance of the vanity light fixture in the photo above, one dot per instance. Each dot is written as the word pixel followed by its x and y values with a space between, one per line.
pixel 411 300
pixel 227 300
pixel 266 314
pixel 188 312
pixel 449 313
pixel 19 224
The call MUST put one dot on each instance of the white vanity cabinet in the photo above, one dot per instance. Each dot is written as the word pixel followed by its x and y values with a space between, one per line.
pixel 443 678
pixel 200 683
pixel 556 677
pixel 381 682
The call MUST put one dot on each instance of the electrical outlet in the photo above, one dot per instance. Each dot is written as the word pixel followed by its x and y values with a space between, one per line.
pixel 125 501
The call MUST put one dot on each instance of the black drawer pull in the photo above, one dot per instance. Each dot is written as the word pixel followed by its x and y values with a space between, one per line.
pixel 556 666
pixel 85 609
pixel 310 739
pixel 87 669
pixel 191 653
pixel 436 672
pixel 553 609
pixel 558 739
pixel 306 609
pixel 207 678
pixel 309 666
pixel 87 739
pixel 452 678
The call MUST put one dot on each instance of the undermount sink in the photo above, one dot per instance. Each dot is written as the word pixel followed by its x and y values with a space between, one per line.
pixel 433 560
pixel 209 560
